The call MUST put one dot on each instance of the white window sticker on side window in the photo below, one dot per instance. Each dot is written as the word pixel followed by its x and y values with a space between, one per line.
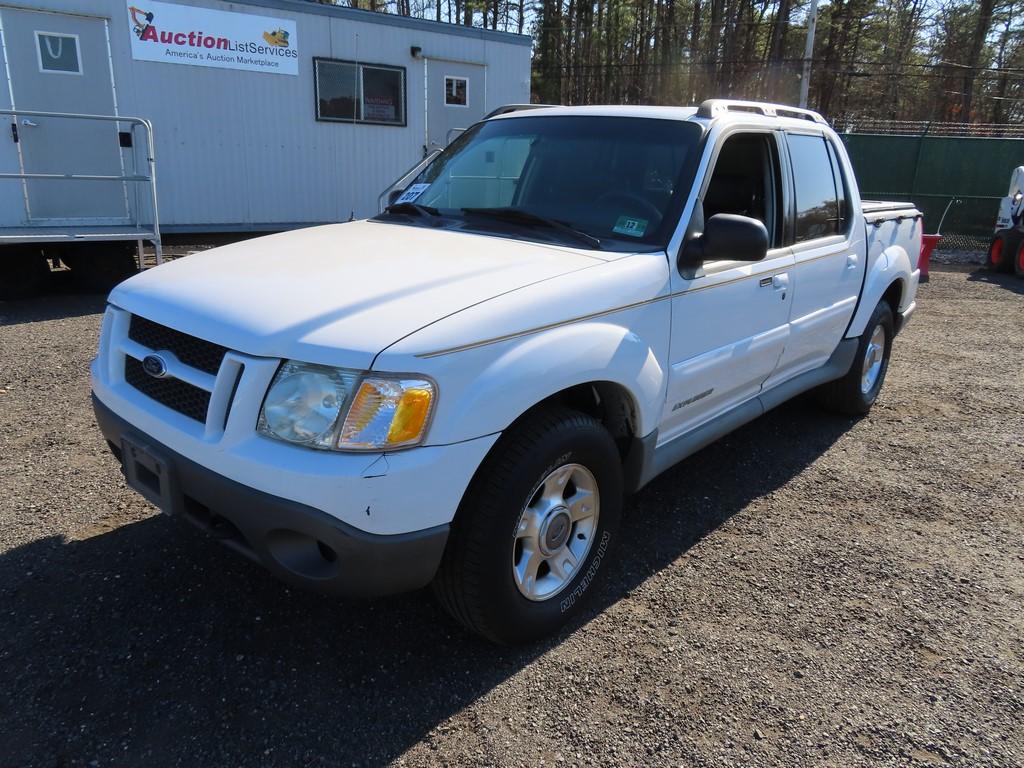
pixel 58 53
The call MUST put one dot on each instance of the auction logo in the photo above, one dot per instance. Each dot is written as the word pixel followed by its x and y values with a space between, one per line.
pixel 141 20
pixel 142 25
pixel 182 43
pixel 278 37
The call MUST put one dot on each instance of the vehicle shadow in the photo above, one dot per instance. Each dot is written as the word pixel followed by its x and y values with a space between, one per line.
pixel 149 645
pixel 63 298
pixel 1009 282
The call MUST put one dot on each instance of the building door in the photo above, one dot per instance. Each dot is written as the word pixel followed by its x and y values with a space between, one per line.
pixel 12 191
pixel 455 99
pixel 61 63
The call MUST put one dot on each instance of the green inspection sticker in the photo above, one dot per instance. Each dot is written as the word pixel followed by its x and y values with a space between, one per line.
pixel 627 225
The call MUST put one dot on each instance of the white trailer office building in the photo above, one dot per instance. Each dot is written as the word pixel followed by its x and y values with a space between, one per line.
pixel 265 114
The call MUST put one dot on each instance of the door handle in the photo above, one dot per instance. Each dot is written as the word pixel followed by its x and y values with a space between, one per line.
pixel 780 282
pixel 29 123
pixel 851 261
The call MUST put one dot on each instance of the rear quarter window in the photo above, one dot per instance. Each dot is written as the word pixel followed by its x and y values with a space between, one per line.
pixel 842 190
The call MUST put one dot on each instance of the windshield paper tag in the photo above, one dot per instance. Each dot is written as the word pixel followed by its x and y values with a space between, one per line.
pixel 411 193
pixel 627 225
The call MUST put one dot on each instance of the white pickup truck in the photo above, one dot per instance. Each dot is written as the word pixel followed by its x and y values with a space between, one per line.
pixel 459 391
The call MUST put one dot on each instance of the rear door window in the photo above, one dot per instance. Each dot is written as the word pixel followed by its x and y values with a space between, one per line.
pixel 817 203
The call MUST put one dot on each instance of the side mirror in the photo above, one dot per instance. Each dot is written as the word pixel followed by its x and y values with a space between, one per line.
pixel 727 236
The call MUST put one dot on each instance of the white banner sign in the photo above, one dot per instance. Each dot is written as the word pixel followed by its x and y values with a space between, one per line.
pixel 181 34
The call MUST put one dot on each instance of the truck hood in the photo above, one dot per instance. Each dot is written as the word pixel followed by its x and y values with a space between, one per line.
pixel 337 294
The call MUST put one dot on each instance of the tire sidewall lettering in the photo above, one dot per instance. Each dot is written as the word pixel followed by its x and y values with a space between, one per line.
pixel 588 576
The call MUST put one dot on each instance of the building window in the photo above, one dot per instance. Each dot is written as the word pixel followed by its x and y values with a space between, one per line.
pixel 350 92
pixel 456 91
pixel 58 53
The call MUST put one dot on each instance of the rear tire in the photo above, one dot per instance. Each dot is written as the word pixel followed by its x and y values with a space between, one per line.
pixel 529 538
pixel 856 392
pixel 24 272
pixel 1018 262
pixel 1002 251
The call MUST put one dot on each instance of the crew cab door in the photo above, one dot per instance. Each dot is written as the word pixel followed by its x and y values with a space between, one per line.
pixel 730 321
pixel 829 255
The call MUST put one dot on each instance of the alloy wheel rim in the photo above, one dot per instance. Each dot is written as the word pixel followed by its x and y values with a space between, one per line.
pixel 874 355
pixel 555 532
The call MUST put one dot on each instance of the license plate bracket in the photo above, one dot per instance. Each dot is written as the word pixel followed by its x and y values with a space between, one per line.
pixel 146 472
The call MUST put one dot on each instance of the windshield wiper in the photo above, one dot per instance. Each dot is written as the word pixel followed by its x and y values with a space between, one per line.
pixel 415 208
pixel 519 216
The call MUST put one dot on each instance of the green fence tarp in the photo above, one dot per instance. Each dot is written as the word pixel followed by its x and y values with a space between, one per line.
pixel 932 170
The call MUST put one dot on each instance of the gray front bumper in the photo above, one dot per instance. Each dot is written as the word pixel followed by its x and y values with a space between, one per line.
pixel 297 543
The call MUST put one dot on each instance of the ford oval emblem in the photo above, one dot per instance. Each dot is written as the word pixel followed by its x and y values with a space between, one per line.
pixel 155 366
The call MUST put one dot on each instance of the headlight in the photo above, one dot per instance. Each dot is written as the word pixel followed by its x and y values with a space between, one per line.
pixel 304 402
pixel 334 408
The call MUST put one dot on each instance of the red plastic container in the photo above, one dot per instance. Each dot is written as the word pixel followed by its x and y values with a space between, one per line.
pixel 928 243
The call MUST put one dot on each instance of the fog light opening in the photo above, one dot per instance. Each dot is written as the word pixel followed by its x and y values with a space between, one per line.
pixel 302 554
pixel 326 552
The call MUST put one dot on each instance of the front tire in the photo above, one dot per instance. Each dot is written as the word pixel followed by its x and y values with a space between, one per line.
pixel 534 529
pixel 1018 262
pixel 1002 251
pixel 856 392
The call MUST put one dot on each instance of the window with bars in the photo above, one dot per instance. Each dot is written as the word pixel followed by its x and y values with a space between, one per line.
pixel 353 92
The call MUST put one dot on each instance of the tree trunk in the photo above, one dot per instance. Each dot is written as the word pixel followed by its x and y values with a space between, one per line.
pixel 981 30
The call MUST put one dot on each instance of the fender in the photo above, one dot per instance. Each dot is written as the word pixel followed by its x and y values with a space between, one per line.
pixel 891 265
pixel 546 363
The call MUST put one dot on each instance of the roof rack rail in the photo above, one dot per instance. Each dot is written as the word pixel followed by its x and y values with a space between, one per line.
pixel 715 107
pixel 515 108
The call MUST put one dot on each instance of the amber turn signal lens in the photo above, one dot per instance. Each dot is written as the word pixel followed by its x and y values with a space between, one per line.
pixel 387 413
pixel 410 416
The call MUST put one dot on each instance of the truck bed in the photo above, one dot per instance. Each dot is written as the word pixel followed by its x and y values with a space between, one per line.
pixel 887 208
pixel 892 227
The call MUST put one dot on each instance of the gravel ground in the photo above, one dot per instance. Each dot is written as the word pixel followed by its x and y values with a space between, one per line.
pixel 811 590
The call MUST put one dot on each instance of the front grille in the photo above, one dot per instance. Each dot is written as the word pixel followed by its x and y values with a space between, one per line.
pixel 193 352
pixel 174 393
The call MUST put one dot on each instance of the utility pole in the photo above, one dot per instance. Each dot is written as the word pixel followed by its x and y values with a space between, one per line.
pixel 805 78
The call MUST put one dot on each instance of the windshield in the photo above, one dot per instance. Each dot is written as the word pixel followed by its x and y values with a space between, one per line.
pixel 617 180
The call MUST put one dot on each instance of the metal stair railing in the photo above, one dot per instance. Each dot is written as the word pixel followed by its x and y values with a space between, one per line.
pixel 149 178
